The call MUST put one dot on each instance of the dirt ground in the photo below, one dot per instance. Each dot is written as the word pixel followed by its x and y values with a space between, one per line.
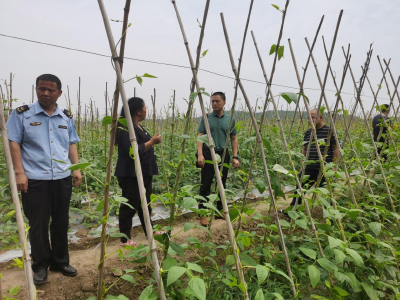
pixel 84 256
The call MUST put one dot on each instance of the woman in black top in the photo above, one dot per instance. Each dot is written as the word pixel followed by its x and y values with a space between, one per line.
pixel 125 169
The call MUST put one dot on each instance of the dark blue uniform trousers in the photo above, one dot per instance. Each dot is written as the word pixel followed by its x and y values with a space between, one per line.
pixel 45 200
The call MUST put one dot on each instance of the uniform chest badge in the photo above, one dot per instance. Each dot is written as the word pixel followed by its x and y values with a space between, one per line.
pixel 63 127
pixel 35 123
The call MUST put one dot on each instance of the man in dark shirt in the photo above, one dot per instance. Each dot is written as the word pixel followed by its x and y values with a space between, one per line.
pixel 219 126
pixel 378 126
pixel 313 165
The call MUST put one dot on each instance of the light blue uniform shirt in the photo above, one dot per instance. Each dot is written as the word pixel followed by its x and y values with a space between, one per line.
pixel 43 138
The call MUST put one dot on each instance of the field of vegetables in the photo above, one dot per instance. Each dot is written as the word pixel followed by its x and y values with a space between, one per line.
pixel 342 243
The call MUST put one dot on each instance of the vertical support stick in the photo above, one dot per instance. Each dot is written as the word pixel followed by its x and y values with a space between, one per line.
pixel 17 207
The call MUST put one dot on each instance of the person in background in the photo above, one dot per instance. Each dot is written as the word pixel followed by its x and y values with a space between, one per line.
pixel 313 166
pixel 219 126
pixel 41 135
pixel 380 128
pixel 125 168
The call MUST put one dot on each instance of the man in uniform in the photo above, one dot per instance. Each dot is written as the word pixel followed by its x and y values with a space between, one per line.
pixel 219 127
pixel 41 135
pixel 313 166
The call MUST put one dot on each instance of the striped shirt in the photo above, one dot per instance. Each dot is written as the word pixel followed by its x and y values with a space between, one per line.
pixel 322 137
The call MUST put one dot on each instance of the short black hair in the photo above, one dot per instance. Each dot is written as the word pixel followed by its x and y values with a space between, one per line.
pixel 135 104
pixel 51 78
pixel 384 107
pixel 221 94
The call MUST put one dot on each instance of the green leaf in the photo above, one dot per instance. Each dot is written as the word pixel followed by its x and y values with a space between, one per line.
pixel 314 274
pixel 276 6
pixel 148 75
pixel 267 145
pixel 252 138
pixel 289 97
pixel 234 213
pixel 318 297
pixel 262 273
pixel 309 252
pixel 375 227
pixel 341 292
pixel 203 139
pixel 210 205
pixel 177 248
pixel 82 166
pixel 129 278
pixel 354 283
pixel 188 202
pixel 372 294
pixel 357 257
pixel 260 185
pixel 293 214
pixel 123 122
pixel 339 256
pixel 174 273
pixel 280 52
pixel 106 121
pixel 194 267
pixel 14 290
pixel 273 49
pixel 278 296
pixel 284 223
pixel 198 287
pixel 169 262
pixel 333 242
pixel 139 79
pixel 230 260
pixel 301 223
pixel 259 295
pixel 192 96
pixel 305 97
pixel 280 169
pixel 148 294
pixel 327 265
pixel 204 53
pixel 247 260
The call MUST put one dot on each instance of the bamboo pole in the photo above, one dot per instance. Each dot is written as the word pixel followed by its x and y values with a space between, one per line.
pixel 212 150
pixel 266 172
pixel 138 168
pixel 153 100
pixel 31 291
pixel 233 111
pixel 266 103
pixel 189 117
pixel 172 129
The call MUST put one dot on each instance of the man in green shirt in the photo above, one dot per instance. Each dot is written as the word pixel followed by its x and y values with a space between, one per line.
pixel 219 126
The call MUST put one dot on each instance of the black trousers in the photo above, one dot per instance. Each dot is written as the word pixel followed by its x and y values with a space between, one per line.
pixel 130 191
pixel 45 200
pixel 313 172
pixel 207 176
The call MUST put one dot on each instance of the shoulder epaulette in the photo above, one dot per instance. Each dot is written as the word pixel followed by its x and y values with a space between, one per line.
pixel 22 108
pixel 67 113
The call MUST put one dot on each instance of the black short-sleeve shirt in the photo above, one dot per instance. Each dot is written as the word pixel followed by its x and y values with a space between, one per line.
pixel 322 133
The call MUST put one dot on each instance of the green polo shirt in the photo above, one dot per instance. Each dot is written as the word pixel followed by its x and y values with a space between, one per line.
pixel 219 127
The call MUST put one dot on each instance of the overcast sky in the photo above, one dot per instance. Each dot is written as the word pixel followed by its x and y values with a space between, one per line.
pixel 155 36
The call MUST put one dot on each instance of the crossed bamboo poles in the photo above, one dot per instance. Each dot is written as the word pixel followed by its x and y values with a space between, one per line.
pixel 254 124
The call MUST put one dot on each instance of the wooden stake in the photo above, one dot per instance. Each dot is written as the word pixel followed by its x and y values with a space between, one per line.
pixel 138 168
pixel 31 291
